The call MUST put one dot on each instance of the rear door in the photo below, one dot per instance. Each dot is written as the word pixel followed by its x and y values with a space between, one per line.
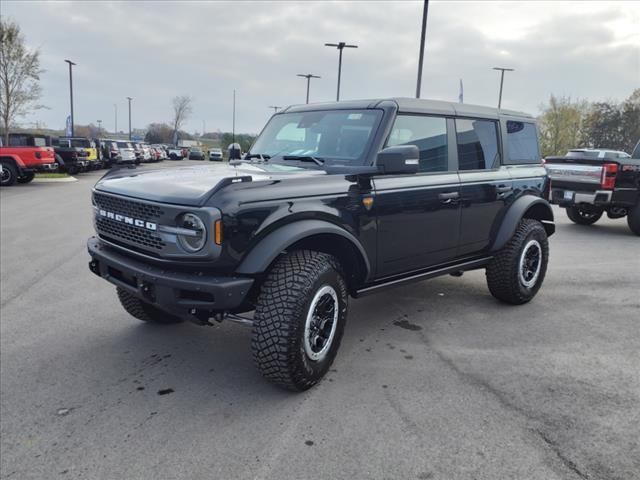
pixel 485 186
pixel 418 215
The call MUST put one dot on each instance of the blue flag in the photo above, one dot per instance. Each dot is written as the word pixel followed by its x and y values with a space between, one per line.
pixel 461 94
pixel 68 132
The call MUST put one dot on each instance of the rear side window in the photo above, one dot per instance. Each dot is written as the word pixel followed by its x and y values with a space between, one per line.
pixel 429 134
pixel 18 141
pixel 477 144
pixel 522 143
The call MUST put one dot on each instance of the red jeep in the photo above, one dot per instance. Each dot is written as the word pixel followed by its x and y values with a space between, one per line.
pixel 25 155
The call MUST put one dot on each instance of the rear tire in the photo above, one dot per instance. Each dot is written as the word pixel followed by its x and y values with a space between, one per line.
pixel 516 273
pixel 299 319
pixel 9 175
pixel 583 216
pixel 26 178
pixel 633 219
pixel 144 311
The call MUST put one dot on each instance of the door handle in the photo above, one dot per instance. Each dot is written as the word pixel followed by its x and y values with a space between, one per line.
pixel 448 197
pixel 503 189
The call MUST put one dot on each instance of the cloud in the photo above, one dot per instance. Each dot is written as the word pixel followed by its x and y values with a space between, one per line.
pixel 153 51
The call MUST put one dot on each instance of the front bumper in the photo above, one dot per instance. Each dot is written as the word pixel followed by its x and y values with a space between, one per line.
pixel 47 167
pixel 193 296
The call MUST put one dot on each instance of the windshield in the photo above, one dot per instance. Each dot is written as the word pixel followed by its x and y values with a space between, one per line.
pixel 80 142
pixel 124 145
pixel 334 136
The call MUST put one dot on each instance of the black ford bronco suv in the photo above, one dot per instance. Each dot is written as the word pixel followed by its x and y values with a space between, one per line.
pixel 333 200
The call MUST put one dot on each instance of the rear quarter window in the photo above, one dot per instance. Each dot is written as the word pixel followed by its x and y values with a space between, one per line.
pixel 522 143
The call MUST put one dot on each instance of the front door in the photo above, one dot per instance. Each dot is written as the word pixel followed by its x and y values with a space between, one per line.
pixel 418 216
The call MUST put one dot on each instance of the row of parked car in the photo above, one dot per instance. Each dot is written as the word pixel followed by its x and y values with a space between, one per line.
pixel 28 153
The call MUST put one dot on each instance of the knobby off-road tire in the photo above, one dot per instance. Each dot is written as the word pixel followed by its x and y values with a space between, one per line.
pixel 633 219
pixel 299 319
pixel 9 175
pixel 144 311
pixel 26 178
pixel 517 271
pixel 582 216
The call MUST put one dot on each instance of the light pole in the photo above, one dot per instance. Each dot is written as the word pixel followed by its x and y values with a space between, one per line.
pixel 340 46
pixel 129 98
pixel 275 108
pixel 99 127
pixel 233 129
pixel 309 76
pixel 425 10
pixel 71 64
pixel 115 118
pixel 502 70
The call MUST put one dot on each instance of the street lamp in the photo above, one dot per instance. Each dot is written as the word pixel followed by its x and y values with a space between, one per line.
pixel 129 98
pixel 309 76
pixel 71 64
pixel 340 46
pixel 275 108
pixel 99 127
pixel 502 70
pixel 115 118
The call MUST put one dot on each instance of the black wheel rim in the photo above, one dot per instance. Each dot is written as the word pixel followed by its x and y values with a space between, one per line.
pixel 530 263
pixel 321 322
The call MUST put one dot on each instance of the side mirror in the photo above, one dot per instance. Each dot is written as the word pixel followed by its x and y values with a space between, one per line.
pixel 401 159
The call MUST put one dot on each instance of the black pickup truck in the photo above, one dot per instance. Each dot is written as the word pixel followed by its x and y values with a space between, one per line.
pixel 590 182
pixel 333 200
pixel 71 159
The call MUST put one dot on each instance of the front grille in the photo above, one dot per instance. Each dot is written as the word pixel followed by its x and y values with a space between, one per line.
pixel 129 208
pixel 129 233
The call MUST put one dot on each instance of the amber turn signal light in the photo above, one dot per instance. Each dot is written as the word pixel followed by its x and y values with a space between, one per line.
pixel 217 232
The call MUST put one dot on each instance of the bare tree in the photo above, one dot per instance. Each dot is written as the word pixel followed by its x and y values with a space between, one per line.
pixel 19 76
pixel 181 111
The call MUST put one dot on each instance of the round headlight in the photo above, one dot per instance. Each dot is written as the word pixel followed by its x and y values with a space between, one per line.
pixel 192 242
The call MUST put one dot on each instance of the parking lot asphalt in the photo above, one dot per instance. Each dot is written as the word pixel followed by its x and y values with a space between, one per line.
pixel 436 380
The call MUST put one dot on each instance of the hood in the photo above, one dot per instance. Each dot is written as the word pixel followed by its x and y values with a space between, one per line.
pixel 189 185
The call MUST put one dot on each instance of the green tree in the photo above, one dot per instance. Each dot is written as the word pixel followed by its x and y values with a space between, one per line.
pixel 561 125
pixel 19 76
pixel 603 126
pixel 630 121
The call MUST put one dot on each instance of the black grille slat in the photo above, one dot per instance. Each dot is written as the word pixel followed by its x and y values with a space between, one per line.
pixel 129 208
pixel 129 233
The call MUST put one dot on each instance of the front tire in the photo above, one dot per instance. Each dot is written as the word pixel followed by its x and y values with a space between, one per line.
pixel 26 178
pixel 144 311
pixel 583 216
pixel 517 271
pixel 299 319
pixel 9 175
pixel 633 219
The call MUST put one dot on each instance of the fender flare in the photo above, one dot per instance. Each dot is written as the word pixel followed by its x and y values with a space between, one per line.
pixel 17 161
pixel 528 206
pixel 272 245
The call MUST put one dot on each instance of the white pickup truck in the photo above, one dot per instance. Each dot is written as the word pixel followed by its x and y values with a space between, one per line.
pixel 589 182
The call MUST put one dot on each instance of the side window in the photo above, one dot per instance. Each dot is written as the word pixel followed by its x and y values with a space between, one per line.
pixel 522 143
pixel 477 144
pixel 429 134
pixel 18 141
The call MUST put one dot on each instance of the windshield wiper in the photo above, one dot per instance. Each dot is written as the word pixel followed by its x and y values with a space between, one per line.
pixel 261 156
pixel 304 158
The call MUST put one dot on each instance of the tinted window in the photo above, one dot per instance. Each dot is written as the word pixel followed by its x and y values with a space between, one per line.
pixel 522 143
pixel 18 141
pixel 429 134
pixel 477 144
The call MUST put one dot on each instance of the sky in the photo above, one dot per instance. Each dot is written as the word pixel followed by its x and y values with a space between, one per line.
pixel 153 51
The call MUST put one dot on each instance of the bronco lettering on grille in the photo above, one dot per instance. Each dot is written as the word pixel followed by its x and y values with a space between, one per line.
pixel 128 220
